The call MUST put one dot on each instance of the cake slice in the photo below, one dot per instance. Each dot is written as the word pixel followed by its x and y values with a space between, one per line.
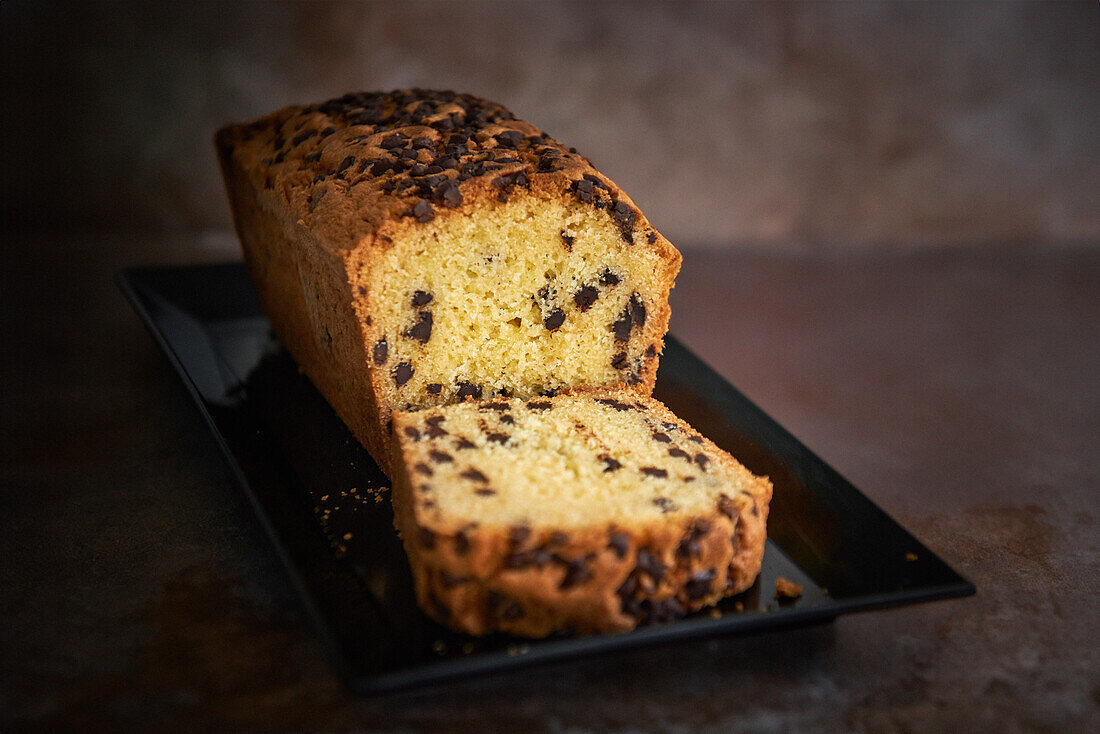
pixel 587 512
pixel 417 247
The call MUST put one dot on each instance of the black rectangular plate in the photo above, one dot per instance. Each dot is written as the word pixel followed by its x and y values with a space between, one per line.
pixel 323 502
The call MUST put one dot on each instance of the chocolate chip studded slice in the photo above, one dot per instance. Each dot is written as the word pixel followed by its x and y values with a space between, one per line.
pixel 583 496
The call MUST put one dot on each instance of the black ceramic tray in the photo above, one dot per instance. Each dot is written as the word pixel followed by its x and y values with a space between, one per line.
pixel 324 505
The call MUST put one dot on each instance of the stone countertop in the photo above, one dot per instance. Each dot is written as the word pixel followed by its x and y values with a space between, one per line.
pixel 958 390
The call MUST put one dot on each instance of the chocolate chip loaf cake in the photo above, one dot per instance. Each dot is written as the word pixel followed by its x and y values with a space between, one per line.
pixel 587 512
pixel 417 248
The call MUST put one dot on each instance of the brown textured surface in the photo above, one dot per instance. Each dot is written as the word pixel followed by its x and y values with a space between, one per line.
pixel 808 125
pixel 320 191
pixel 480 579
pixel 958 390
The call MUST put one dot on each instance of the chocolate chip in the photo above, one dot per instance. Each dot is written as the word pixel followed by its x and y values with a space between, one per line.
pixel 449 193
pixel 726 506
pixel 433 388
pixel 299 139
pixel 518 534
pixel 474 475
pixel 434 430
pixel 423 211
pixel 620 362
pixel 535 405
pixel 502 607
pixel 421 298
pixel 637 310
pixel 362 290
pixel 621 328
pixel 447 581
pixel 464 443
pixel 440 457
pixel 651 351
pixel 620 543
pixel 661 437
pixel 695 439
pixel 484 492
pixel 381 351
pixel 554 321
pixel 650 564
pixel 422 468
pixel 345 164
pixel 702 461
pixel 402 373
pixel 500 438
pixel 568 240
pixel 422 329
pixel 612 403
pixel 608 278
pixel 609 463
pixel 507 419
pixel 698 586
pixel 397 140
pixel 462 543
pixel 412 433
pixel 576 572
pixel 689 547
pixel 495 406
pixel 585 297
pixel 651 237
pixel 623 214
pixel 664 503
pixel 679 454
pixel 427 538
pixel 468 390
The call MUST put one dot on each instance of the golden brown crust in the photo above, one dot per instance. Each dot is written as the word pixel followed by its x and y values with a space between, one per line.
pixel 535 581
pixel 319 192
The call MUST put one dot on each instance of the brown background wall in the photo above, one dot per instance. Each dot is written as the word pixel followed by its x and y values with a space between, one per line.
pixel 816 126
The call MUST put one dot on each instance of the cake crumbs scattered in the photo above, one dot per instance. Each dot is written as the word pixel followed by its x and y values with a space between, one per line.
pixel 787 590
pixel 910 556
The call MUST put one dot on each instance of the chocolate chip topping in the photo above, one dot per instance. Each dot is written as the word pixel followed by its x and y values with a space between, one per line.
pixel 423 211
pixel 381 352
pixel 421 298
pixel 585 297
pixel 402 373
pixel 623 214
pixel 554 321
pixel 422 329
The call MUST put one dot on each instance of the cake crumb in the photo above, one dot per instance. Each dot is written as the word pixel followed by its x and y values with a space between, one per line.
pixel 910 557
pixel 787 590
pixel 715 613
pixel 738 607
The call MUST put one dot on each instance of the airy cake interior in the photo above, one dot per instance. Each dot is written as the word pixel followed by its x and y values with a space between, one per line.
pixel 515 298
pixel 569 462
